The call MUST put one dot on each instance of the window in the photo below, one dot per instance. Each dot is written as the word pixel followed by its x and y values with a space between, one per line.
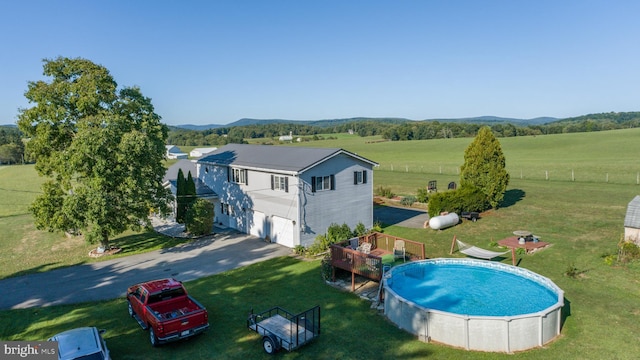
pixel 238 176
pixel 226 209
pixel 320 183
pixel 279 183
pixel 359 177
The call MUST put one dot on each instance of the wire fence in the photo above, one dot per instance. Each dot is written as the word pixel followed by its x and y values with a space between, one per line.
pixel 615 176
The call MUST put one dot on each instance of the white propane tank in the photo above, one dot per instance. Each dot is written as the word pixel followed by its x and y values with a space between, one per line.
pixel 443 221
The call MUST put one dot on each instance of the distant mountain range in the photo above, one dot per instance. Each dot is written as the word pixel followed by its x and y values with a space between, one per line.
pixel 332 122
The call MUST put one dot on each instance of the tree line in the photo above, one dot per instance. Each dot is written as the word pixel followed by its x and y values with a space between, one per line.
pixel 11 145
pixel 394 131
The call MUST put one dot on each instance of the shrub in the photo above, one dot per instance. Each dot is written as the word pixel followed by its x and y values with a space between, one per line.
pixel 572 271
pixel 299 250
pixel 320 245
pixel 408 200
pixel 199 217
pixel 336 233
pixel 384 192
pixel 628 251
pixel 360 229
pixel 423 195
pixel 377 227
pixel 326 268
pixel 463 199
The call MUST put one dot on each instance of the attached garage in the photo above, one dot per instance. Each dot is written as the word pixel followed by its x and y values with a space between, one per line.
pixel 282 231
pixel 258 224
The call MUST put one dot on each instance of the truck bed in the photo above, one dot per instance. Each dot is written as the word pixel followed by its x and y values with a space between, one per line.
pixel 175 308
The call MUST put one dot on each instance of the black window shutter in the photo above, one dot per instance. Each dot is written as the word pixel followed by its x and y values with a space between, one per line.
pixel 355 178
pixel 272 186
pixel 228 174
pixel 313 184
pixel 364 176
pixel 246 177
pixel 286 184
pixel 333 182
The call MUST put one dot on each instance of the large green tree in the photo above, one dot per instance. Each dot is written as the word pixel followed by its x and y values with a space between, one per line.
pixel 484 167
pixel 100 147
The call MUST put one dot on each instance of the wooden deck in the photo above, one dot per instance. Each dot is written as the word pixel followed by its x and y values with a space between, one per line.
pixel 369 264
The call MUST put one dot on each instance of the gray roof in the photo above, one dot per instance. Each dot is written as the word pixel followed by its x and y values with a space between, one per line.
pixel 202 190
pixel 632 219
pixel 281 158
pixel 185 165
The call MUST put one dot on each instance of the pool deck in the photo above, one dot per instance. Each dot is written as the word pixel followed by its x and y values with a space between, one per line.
pixel 529 246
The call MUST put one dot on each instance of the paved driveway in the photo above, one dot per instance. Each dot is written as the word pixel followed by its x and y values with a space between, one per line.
pixel 390 215
pixel 109 279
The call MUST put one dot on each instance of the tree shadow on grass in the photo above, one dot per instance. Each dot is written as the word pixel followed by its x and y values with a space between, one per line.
pixel 511 197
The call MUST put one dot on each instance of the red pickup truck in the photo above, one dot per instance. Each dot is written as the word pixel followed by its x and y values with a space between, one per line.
pixel 164 307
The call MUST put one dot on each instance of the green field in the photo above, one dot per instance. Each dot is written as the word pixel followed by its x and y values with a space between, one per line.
pixel 582 219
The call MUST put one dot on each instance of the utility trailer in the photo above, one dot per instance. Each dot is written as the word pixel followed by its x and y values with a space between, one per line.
pixel 470 215
pixel 281 329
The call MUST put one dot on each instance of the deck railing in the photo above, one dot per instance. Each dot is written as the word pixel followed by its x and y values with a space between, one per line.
pixel 367 265
pixel 343 256
pixel 413 249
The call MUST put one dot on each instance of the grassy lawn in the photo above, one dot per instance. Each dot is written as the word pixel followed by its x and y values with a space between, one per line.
pixel 24 249
pixel 583 220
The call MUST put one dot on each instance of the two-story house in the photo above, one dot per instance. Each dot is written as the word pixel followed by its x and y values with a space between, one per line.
pixel 288 195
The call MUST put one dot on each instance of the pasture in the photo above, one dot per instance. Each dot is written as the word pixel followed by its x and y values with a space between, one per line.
pixel 581 217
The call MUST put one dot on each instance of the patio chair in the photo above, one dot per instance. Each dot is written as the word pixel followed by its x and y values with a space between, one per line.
pixel 365 248
pixel 399 250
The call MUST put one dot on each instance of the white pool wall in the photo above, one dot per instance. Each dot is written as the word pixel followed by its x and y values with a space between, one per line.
pixel 483 333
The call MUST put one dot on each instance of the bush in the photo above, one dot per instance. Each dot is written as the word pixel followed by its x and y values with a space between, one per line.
pixel 463 199
pixel 335 233
pixel 299 250
pixel 326 268
pixel 628 251
pixel 199 217
pixel 572 271
pixel 360 229
pixel 408 200
pixel 423 195
pixel 384 192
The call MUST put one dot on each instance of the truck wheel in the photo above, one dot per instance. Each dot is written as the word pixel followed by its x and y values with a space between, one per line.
pixel 152 337
pixel 269 344
pixel 130 308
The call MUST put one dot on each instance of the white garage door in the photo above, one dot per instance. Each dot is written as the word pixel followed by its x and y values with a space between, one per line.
pixel 282 231
pixel 258 225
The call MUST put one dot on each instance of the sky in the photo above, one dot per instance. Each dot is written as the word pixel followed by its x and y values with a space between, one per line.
pixel 215 62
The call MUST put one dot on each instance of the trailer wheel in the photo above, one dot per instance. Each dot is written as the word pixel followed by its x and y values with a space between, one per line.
pixel 269 344
pixel 152 337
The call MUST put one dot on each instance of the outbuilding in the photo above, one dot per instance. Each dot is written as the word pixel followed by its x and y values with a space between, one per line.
pixel 632 221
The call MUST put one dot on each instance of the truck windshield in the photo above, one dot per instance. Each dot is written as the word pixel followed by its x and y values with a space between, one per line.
pixel 165 295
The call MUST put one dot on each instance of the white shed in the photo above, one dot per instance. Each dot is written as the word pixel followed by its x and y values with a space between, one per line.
pixel 632 221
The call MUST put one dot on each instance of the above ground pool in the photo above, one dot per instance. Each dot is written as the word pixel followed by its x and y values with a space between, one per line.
pixel 474 304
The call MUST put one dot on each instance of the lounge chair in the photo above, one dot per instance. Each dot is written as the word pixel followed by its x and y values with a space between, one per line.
pixel 365 248
pixel 399 250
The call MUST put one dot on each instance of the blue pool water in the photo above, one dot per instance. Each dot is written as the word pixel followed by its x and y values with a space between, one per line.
pixel 471 290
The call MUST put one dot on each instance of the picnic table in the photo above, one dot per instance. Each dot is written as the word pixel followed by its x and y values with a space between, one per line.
pixel 522 233
pixel 513 243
